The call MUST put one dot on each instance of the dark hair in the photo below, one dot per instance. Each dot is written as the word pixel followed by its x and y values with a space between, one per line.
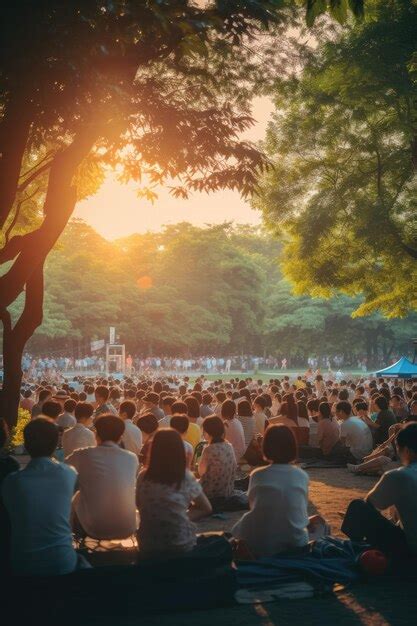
pixel 289 407
pixel 167 461
pixel 102 392
pixel 82 396
pixel 244 408
pixel 147 423
pixel 279 444
pixel 180 423
pixel 302 409
pixel 193 407
pixel 407 437
pixel 313 405
pixel 83 410
pixel 214 427
pixel 207 398
pixel 4 433
pixel 51 409
pixel 129 408
pixel 361 406
pixel 228 409
pixel 168 400
pixel 27 393
pixel 325 410
pixel 109 427
pixel 381 402
pixel 260 401
pixel 343 395
pixel 69 405
pixel 345 407
pixel 43 394
pixel 41 437
pixel 179 407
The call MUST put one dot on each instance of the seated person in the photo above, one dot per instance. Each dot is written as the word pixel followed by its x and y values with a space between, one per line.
pixel 384 419
pixel 245 417
pixel 217 466
pixel 397 488
pixel 180 423
pixel 278 498
pixel 80 435
pixel 355 432
pixel 259 406
pixel 234 429
pixel 169 499
pixel 7 465
pixel 328 432
pixel 67 419
pixel 104 506
pixel 148 425
pixel 132 437
pixel 193 434
pixel 38 502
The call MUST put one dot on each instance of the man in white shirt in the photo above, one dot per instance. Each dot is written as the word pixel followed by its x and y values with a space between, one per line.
pixel 67 419
pixel 80 435
pixel 104 507
pixel 167 403
pixel 132 437
pixel 396 490
pixel 355 434
pixel 38 502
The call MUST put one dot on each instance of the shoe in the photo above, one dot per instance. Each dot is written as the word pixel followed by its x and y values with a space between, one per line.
pixel 352 468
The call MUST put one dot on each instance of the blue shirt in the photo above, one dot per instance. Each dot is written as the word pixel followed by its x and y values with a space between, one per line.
pixel 38 501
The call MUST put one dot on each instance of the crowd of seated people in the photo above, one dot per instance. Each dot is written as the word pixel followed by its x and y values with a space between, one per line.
pixel 149 457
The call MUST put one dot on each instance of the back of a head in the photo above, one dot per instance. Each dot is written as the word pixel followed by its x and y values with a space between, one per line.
pixel 382 403
pixel 325 410
pixel 214 426
pixel 43 394
pixel 343 395
pixel 128 408
pixel 167 461
pixel 180 423
pixel 69 405
pixel 407 437
pixel 51 409
pixel 344 407
pixel 193 407
pixel 109 427
pixel 244 409
pixel 41 437
pixel 279 444
pixel 228 409
pixel 313 405
pixel 207 398
pixel 260 402
pixel 102 392
pixel 179 407
pixel 147 423
pixel 83 411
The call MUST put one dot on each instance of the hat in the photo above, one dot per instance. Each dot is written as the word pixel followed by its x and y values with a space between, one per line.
pixel 61 395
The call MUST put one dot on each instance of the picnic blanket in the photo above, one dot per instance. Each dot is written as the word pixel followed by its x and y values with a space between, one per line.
pixel 330 561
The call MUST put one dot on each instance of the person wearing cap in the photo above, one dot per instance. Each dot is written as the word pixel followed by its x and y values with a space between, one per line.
pixel 151 405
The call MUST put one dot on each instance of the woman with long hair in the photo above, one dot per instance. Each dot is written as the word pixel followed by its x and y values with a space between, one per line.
pixel 169 499
pixel 217 466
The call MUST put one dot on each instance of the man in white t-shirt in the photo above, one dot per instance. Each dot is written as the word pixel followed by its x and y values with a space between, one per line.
pixel 104 507
pixel 396 490
pixel 132 437
pixel 80 435
pixel 355 434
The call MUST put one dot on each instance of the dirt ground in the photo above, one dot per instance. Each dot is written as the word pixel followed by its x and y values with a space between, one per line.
pixel 380 603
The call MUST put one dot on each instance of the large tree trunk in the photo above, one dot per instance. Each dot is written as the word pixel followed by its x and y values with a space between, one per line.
pixel 29 253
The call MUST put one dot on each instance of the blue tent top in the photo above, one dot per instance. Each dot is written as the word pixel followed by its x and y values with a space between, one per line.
pixel 401 369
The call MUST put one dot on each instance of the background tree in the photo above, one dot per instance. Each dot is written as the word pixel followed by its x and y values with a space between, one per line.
pixel 344 146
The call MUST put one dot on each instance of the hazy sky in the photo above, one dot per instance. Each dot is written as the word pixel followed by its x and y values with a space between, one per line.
pixel 116 211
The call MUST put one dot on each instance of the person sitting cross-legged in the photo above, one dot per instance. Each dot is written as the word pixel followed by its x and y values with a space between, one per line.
pixel 398 489
pixel 169 499
pixel 278 497
pixel 80 435
pixel 104 506
pixel 38 502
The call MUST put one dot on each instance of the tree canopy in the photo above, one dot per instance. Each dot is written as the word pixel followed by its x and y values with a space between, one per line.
pixel 344 146
pixel 192 291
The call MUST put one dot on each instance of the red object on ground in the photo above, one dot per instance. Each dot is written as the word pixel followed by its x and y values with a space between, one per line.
pixel 373 562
